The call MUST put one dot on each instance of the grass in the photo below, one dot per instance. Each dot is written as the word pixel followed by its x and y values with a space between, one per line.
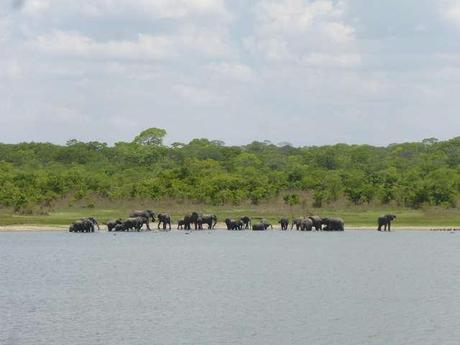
pixel 354 216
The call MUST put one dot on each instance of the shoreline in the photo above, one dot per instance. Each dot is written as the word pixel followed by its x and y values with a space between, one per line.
pixel 63 228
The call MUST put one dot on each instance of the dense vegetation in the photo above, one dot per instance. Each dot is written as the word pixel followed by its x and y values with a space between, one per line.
pixel 36 175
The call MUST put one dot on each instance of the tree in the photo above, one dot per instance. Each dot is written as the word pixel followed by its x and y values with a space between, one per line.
pixel 151 136
pixel 291 200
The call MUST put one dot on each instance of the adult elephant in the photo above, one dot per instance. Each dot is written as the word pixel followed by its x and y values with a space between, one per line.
pixel 188 221
pixel 261 226
pixel 317 222
pixel 306 225
pixel 149 214
pixel 113 223
pixel 233 224
pixel 198 220
pixel 164 219
pixel 136 223
pixel 385 221
pixel 246 221
pixel 297 223
pixel 284 223
pixel 333 224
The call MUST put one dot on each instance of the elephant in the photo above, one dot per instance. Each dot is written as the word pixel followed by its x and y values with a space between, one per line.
pixel 385 221
pixel 120 227
pixel 306 225
pixel 198 220
pixel 180 224
pixel 333 224
pixel 297 223
pixel 149 214
pixel 113 223
pixel 84 225
pixel 188 221
pixel 261 226
pixel 164 219
pixel 136 223
pixel 246 221
pixel 317 222
pixel 284 223
pixel 234 224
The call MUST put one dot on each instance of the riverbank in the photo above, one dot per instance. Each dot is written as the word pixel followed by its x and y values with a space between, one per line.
pixel 219 227
pixel 354 217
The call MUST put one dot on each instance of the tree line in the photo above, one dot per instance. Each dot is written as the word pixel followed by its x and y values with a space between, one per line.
pixel 208 171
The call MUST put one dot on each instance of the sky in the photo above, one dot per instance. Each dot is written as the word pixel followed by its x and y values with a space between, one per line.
pixel 307 72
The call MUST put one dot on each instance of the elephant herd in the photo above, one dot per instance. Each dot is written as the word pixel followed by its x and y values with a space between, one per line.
pixel 314 222
pixel 138 219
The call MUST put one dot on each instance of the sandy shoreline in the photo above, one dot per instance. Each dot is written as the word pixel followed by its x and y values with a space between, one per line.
pixel 40 228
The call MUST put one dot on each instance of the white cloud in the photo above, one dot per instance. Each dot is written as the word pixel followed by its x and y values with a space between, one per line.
pixel 77 45
pixel 291 29
pixel 153 9
pixel 325 60
pixel 145 47
pixel 451 10
pixel 199 96
pixel 232 71
pixel 338 32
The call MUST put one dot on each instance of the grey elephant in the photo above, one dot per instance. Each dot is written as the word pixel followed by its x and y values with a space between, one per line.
pixel 113 223
pixel 284 223
pixel 246 221
pixel 198 220
pixel 385 221
pixel 333 224
pixel 180 224
pixel 297 223
pixel 164 219
pixel 317 222
pixel 136 223
pixel 306 225
pixel 149 214
pixel 120 227
pixel 84 225
pixel 234 224
pixel 263 225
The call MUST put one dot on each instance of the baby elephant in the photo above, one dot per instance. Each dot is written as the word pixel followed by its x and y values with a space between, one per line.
pixel 284 223
pixel 385 221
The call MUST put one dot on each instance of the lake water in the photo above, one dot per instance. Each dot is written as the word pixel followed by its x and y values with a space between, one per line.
pixel 220 287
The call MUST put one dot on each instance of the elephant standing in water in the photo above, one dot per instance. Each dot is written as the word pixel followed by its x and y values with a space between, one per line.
pixel 262 226
pixel 234 224
pixel 135 223
pixel 246 221
pixel 306 224
pixel 317 222
pixel 180 224
pixel 284 223
pixel 198 220
pixel 113 223
pixel 164 219
pixel 333 224
pixel 385 221
pixel 84 225
pixel 297 223
pixel 148 214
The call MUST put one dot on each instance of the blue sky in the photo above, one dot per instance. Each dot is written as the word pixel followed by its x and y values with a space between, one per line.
pixel 305 72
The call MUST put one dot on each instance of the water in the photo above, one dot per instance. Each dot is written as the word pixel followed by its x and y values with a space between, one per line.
pixel 230 288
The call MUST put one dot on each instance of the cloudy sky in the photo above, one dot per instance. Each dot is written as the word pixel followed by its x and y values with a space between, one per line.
pixel 308 72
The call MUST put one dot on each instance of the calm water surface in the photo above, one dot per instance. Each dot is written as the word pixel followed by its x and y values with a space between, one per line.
pixel 399 288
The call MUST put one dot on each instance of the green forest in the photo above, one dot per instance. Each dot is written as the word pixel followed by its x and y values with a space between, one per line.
pixel 36 176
